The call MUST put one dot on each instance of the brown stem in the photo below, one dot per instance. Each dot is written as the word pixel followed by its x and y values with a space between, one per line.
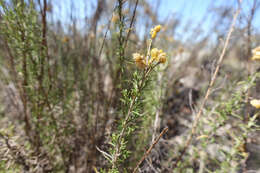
pixel 150 149
pixel 131 23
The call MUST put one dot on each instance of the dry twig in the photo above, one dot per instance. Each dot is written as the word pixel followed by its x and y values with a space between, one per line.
pixel 150 149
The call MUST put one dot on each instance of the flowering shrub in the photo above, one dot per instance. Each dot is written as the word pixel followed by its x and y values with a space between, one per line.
pixel 132 99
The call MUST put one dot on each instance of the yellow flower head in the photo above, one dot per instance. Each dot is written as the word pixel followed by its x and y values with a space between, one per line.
pixel 158 55
pixel 162 57
pixel 256 53
pixel 154 54
pixel 255 103
pixel 139 60
pixel 153 33
pixel 155 30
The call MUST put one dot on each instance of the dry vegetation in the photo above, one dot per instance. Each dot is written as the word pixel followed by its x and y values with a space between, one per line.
pixel 125 90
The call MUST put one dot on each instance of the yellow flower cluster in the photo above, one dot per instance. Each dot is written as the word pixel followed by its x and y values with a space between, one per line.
pixel 157 56
pixel 139 60
pixel 154 56
pixel 256 53
pixel 255 103
pixel 155 30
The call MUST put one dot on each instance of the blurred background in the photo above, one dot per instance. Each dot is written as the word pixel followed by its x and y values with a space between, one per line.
pixel 66 104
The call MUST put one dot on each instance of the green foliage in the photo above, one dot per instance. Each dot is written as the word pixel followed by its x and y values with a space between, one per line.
pixel 230 143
